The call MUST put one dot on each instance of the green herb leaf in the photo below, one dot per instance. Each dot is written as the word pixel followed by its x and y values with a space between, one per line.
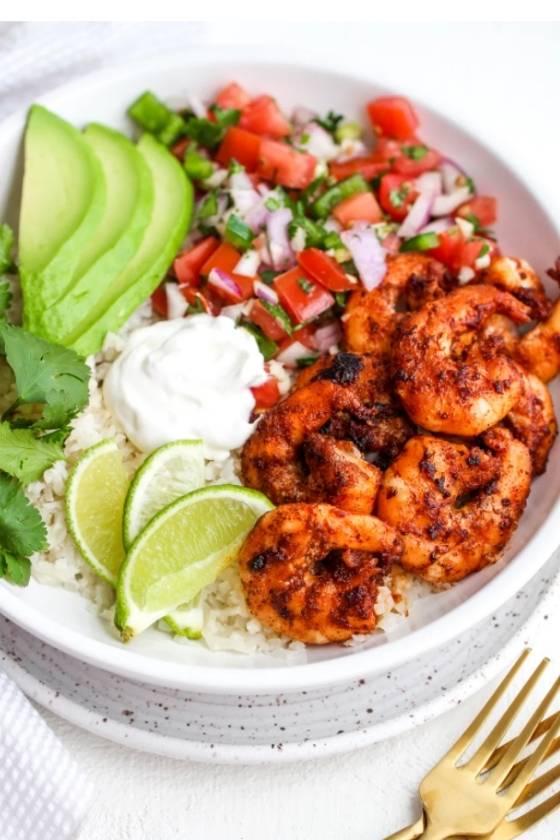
pixel 25 456
pixel 208 207
pixel 398 197
pixel 331 122
pixel 305 285
pixel 306 361
pixel 16 570
pixel 237 233
pixel 6 248
pixel 415 152
pixel 22 531
pixel 225 116
pixel 46 373
pixel 267 347
pixel 280 314
pixel 268 275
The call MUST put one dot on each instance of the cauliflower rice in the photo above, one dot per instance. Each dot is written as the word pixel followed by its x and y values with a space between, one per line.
pixel 227 624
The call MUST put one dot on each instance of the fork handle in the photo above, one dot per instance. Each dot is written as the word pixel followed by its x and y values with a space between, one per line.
pixel 411 832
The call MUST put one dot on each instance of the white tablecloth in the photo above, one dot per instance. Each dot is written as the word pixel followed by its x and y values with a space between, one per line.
pixel 508 76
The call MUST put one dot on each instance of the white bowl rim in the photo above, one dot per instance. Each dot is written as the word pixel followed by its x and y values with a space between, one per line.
pixel 228 680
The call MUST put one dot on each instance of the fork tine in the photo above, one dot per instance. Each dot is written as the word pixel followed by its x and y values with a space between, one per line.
pixel 554 747
pixel 513 792
pixel 465 739
pixel 543 727
pixel 519 743
pixel 486 749
pixel 509 829
pixel 538 785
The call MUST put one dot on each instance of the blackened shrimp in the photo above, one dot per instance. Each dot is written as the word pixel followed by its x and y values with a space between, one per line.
pixel 455 506
pixel 380 428
pixel 514 275
pixel 533 421
pixel 285 459
pixel 316 573
pixel 539 349
pixel 447 379
pixel 371 318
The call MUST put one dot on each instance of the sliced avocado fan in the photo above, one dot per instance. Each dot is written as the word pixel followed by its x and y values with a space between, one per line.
pixel 63 199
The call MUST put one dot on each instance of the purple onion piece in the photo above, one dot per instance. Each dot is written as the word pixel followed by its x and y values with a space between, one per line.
pixel 445 204
pixel 438 225
pixel 296 350
pixel 265 292
pixel 417 216
pixel 367 253
pixel 225 282
pixel 451 173
pixel 281 253
pixel 327 336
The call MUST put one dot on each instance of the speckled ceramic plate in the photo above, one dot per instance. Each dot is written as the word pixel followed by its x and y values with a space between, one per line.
pixel 275 728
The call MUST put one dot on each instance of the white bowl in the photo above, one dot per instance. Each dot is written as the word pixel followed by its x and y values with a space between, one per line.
pixel 67 621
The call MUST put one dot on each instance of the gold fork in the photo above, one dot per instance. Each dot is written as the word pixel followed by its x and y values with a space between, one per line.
pixel 473 799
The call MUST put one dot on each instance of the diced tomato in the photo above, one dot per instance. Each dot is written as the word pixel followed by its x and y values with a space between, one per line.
pixel 369 167
pixel 226 294
pixel 187 265
pixel 203 300
pixel 263 116
pixel 393 116
pixel 484 207
pixel 300 296
pixel 271 326
pixel 180 148
pixel 225 257
pixel 159 301
pixel 404 164
pixel 326 271
pixel 456 252
pixel 284 165
pixel 396 194
pixel 267 394
pixel 361 207
pixel 240 145
pixel 233 96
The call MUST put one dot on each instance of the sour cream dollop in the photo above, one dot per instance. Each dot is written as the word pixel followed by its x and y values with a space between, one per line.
pixel 186 378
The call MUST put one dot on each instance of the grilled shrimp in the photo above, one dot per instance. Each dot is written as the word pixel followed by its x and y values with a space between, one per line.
pixel 456 506
pixel 380 428
pixel 532 420
pixel 539 349
pixel 513 275
pixel 370 319
pixel 313 572
pixel 447 379
pixel 285 459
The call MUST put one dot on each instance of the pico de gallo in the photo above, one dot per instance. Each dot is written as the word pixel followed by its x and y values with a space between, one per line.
pixel 294 213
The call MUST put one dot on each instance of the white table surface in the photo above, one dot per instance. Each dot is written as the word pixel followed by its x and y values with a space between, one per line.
pixel 506 75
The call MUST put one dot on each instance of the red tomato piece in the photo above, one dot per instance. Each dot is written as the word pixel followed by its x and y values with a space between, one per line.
pixel 267 394
pixel 449 248
pixel 263 116
pixel 369 166
pixel 284 165
pixel 361 207
pixel 241 288
pixel 300 296
pixel 326 271
pixel 232 96
pixel 271 326
pixel 396 194
pixel 393 116
pixel 240 145
pixel 471 251
pixel 159 301
pixel 484 207
pixel 180 148
pixel 200 299
pixel 406 165
pixel 187 265
pixel 225 257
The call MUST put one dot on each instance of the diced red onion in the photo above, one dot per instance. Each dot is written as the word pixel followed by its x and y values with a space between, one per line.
pixel 333 225
pixel 197 106
pixel 327 336
pixel 248 264
pixel 319 142
pixel 242 191
pixel 438 225
pixel 235 311
pixel 451 174
pixel 302 115
pixel 257 216
pixel 429 183
pixel 367 253
pixel 417 216
pixel 296 350
pixel 265 292
pixel 391 243
pixel 176 303
pixel 225 282
pixel 446 204
pixel 466 227
pixel 279 247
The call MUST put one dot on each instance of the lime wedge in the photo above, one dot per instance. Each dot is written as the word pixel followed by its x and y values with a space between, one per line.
pixel 167 474
pixel 188 620
pixel 181 550
pixel 95 494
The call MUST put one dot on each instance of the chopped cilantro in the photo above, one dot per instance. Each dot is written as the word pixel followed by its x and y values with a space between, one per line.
pixel 306 361
pixel 280 314
pixel 348 131
pixel 398 197
pixel 267 347
pixel 474 220
pixel 416 152
pixel 332 240
pixel 340 299
pixel 272 203
pixel 304 138
pixel 470 184
pixel 208 207
pixel 22 531
pixel 225 116
pixel 305 285
pixel 314 232
pixel 238 234
pixel 484 250
pixel 331 122
pixel 25 456
pixel 268 275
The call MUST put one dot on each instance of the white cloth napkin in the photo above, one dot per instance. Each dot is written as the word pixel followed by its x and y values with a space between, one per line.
pixel 43 793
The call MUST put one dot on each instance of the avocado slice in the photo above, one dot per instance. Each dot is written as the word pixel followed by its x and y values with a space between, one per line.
pixel 168 226
pixel 128 212
pixel 63 200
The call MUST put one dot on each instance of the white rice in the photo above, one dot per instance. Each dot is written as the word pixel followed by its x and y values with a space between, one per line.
pixel 227 624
